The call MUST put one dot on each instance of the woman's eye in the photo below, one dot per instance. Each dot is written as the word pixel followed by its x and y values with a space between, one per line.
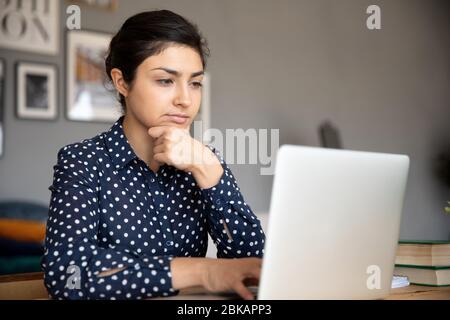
pixel 197 84
pixel 165 81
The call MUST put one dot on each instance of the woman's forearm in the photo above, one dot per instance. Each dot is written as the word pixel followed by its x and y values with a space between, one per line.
pixel 187 272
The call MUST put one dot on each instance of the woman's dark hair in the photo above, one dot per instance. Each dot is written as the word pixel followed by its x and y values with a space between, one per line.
pixel 149 33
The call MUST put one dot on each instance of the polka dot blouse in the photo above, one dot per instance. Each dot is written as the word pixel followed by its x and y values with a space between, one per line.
pixel 108 211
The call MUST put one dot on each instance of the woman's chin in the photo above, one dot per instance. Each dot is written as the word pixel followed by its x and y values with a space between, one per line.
pixel 174 124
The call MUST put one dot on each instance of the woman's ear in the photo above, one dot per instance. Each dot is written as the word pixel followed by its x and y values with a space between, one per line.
pixel 119 81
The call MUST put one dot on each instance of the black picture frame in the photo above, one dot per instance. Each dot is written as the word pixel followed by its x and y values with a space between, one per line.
pixel 36 91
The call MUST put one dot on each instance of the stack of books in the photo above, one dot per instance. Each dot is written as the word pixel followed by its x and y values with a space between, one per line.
pixel 425 263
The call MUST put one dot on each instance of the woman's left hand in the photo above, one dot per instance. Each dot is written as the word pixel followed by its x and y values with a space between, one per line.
pixel 174 146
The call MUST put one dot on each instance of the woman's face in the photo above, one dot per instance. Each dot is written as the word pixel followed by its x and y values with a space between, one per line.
pixel 166 90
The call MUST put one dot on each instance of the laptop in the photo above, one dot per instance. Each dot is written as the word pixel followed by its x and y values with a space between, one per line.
pixel 333 225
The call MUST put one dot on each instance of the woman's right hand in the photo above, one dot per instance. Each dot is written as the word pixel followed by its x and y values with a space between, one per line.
pixel 221 275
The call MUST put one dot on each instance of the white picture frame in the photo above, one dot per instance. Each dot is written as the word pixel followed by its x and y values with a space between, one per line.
pixel 204 113
pixel 31 26
pixel 36 92
pixel 88 99
pixel 2 103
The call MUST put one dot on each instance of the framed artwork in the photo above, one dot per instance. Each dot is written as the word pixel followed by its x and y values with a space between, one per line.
pixel 36 91
pixel 201 123
pixel 88 98
pixel 30 25
pixel 108 5
pixel 2 97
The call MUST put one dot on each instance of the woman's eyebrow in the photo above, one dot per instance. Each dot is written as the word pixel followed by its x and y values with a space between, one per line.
pixel 177 73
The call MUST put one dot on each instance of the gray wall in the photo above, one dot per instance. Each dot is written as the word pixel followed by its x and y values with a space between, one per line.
pixel 288 65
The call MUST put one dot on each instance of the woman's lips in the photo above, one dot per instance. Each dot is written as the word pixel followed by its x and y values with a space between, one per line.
pixel 180 119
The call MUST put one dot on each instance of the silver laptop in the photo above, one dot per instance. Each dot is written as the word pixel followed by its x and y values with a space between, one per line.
pixel 333 225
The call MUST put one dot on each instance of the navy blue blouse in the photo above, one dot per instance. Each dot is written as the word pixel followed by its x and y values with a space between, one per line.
pixel 108 210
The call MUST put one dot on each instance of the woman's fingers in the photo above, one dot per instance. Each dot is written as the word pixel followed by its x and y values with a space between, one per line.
pixel 256 271
pixel 159 140
pixel 159 149
pixel 250 282
pixel 175 150
pixel 161 158
pixel 243 291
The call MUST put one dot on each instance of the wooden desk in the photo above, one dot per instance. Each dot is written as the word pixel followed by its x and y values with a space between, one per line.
pixel 31 286
pixel 420 293
pixel 407 293
pixel 24 286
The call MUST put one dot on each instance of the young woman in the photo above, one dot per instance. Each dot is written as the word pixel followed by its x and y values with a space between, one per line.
pixel 131 208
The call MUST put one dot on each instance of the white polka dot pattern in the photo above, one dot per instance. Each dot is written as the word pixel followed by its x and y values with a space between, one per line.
pixel 108 211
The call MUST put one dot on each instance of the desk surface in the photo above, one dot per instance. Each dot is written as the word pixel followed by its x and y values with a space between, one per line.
pixel 31 286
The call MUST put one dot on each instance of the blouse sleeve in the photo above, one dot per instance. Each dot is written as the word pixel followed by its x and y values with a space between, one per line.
pixel 73 260
pixel 233 226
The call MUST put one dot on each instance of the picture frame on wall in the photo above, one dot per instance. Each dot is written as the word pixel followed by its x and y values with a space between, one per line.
pixel 36 91
pixel 202 121
pixel 31 26
pixel 107 5
pixel 88 96
pixel 2 103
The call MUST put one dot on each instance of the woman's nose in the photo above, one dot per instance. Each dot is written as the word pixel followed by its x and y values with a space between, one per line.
pixel 183 97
